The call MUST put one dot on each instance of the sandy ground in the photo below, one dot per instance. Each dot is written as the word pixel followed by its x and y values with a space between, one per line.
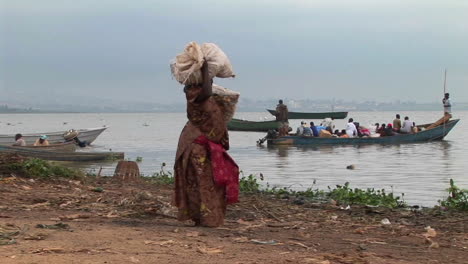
pixel 73 222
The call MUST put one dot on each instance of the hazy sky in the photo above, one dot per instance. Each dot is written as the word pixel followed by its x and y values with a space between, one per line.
pixel 353 50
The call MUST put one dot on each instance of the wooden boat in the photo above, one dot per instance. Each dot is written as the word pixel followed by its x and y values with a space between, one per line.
pixel 260 126
pixel 314 115
pixel 59 147
pixel 427 135
pixel 88 135
pixel 63 156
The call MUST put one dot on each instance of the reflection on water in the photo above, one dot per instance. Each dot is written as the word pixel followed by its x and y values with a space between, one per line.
pixel 421 170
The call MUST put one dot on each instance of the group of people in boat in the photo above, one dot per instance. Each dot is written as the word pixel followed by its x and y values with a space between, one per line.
pixel 41 141
pixel 353 129
pixel 69 136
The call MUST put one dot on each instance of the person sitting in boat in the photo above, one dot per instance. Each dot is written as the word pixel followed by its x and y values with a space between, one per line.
pixel 328 123
pixel 72 135
pixel 19 140
pixel 415 129
pixel 284 129
pixel 351 129
pixel 374 128
pixel 389 131
pixel 364 131
pixel 300 129
pixel 42 141
pixel 381 130
pixel 343 134
pixel 319 128
pixel 358 129
pixel 314 129
pixel 407 126
pixel 397 123
pixel 307 131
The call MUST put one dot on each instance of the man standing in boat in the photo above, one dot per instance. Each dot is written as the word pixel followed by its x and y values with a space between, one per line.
pixel 447 104
pixel 281 112
pixel 282 116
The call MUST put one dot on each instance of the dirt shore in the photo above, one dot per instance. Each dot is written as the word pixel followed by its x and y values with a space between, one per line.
pixel 105 221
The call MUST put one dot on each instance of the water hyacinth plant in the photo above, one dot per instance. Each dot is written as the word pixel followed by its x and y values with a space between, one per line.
pixel 457 198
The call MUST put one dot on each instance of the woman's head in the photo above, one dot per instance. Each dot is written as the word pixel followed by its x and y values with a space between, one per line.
pixel 18 136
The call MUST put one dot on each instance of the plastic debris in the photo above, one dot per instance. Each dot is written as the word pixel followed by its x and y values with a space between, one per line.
pixel 267 242
pixel 385 221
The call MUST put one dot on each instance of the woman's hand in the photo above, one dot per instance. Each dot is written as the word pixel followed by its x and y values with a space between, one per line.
pixel 206 85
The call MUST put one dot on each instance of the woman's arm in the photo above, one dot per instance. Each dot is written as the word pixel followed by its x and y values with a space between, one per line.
pixel 206 85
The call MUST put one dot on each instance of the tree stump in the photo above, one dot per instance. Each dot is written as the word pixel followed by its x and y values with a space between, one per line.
pixel 127 171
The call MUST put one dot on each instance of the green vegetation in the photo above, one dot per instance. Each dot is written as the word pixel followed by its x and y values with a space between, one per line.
pixel 457 198
pixel 38 168
pixel 370 196
pixel 161 177
pixel 249 184
pixel 139 159
pixel 342 194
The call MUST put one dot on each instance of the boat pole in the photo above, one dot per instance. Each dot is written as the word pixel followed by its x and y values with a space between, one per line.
pixel 445 82
pixel 445 90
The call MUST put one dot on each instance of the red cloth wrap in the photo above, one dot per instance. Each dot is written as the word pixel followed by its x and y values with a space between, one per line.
pixel 225 169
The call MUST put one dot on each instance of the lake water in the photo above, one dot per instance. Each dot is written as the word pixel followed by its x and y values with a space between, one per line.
pixel 420 171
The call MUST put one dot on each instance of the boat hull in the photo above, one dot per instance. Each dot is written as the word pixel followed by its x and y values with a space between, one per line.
pixel 261 126
pixel 315 115
pixel 437 133
pixel 63 156
pixel 60 147
pixel 88 135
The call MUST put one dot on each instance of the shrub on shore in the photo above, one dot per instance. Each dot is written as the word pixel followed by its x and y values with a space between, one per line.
pixel 457 198
pixel 41 169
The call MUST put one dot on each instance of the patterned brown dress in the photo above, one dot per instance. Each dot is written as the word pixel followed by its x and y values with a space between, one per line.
pixel 196 195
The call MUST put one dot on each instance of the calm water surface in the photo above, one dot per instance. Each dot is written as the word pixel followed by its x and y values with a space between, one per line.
pixel 420 171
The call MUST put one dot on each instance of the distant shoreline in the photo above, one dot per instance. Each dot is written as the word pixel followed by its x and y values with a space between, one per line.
pixel 172 112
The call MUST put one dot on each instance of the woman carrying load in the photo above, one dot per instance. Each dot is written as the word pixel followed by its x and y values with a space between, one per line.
pixel 206 178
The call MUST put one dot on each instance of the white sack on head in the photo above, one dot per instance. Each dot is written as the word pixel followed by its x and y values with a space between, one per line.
pixel 218 62
pixel 186 66
pixel 227 99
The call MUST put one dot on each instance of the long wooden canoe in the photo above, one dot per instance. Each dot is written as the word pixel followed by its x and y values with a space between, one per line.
pixel 313 115
pixel 432 134
pixel 59 147
pixel 63 156
pixel 88 135
pixel 260 126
